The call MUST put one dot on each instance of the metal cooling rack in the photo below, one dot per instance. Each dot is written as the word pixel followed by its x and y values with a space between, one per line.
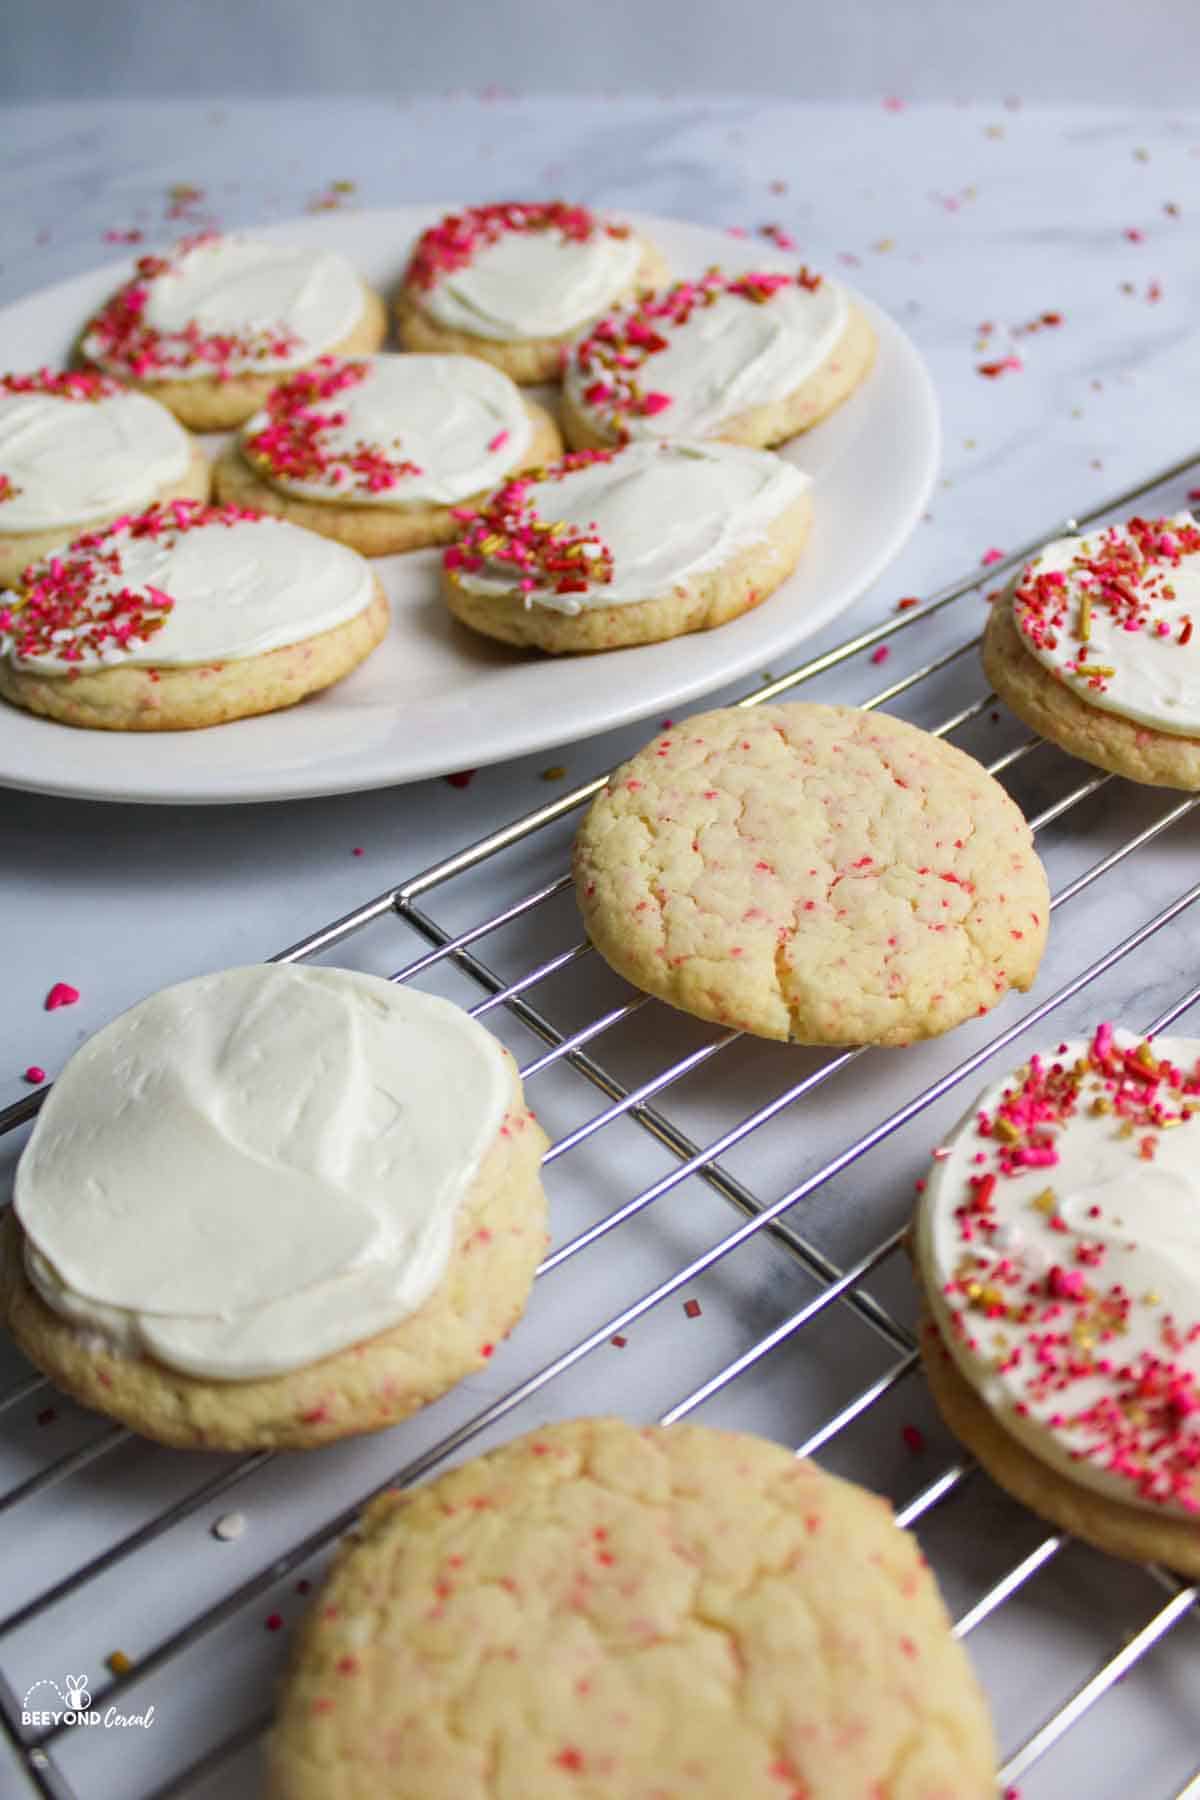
pixel 506 929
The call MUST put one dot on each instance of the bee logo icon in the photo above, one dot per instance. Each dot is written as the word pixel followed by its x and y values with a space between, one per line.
pixel 78 1692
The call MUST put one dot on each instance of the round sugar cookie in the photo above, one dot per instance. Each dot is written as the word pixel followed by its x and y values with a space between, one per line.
pixel 1057 1246
pixel 619 1612
pixel 751 358
pixel 1096 645
pixel 812 873
pixel 209 328
pixel 274 1207
pixel 609 548
pixel 76 451
pixel 515 283
pixel 186 616
pixel 379 452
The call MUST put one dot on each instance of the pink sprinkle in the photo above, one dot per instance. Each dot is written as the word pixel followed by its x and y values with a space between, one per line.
pixel 274 1622
pixel 463 778
pixel 618 1342
pixel 1135 235
pixel 881 654
pixel 692 1308
pixel 655 403
pixel 893 103
pixel 499 441
pixel 989 557
pixel 35 1075
pixel 358 851
pixel 61 994
pixel 914 1438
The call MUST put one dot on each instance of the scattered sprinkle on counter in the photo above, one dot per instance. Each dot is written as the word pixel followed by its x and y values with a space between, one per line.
pixel 34 1075
pixel 692 1308
pixel 118 1662
pixel 61 994
pixel 914 1438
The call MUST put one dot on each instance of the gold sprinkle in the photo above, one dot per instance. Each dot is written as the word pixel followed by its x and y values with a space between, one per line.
pixel 1101 1105
pixel 1151 1298
pixel 556 772
pixel 1095 669
pixel 1045 1202
pixel 884 244
pixel 118 1662
pixel 1006 1131
pixel 1085 616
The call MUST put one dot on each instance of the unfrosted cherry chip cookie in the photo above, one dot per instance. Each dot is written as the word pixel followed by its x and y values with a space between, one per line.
pixel 619 1613
pixel 76 451
pixel 812 873
pixel 272 1207
pixel 379 452
pixel 608 548
pixel 752 358
pixel 1097 646
pixel 516 282
pixel 209 328
pixel 185 616
pixel 1057 1246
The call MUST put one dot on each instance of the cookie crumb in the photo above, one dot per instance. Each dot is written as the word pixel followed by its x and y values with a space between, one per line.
pixel 229 1526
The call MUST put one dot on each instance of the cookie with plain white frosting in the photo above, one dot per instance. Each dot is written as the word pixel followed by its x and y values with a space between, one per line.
pixel 1096 645
pixel 76 451
pixel 1058 1249
pixel 273 1207
pixel 514 283
pixel 377 452
pixel 631 546
pixel 620 1612
pixel 209 328
pixel 185 616
pixel 812 873
pixel 753 358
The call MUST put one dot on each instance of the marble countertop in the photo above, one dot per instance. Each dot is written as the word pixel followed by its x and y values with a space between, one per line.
pixel 1047 264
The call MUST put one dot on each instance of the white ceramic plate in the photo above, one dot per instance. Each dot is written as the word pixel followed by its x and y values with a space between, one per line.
pixel 434 697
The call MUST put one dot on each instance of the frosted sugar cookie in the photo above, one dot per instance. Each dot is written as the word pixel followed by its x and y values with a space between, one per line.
pixel 1094 646
pixel 77 450
pixel 1058 1249
pixel 515 283
pixel 753 358
pixel 273 1207
pixel 209 328
pixel 378 451
pixel 609 548
pixel 625 1613
pixel 185 615
pixel 813 873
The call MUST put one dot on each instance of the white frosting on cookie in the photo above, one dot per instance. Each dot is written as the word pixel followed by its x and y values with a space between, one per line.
pixel 666 512
pixel 237 590
pixel 1059 1248
pixel 534 284
pixel 280 306
pixel 729 355
pixel 1136 594
pixel 461 422
pixel 69 460
pixel 254 1169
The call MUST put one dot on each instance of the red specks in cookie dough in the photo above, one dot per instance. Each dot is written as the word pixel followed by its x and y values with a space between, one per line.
pixel 294 441
pixel 613 357
pixel 507 538
pixel 990 557
pixel 140 350
pixel 455 241
pixel 61 994
pixel 63 606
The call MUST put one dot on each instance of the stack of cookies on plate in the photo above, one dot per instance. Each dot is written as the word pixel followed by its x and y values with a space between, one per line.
pixel 131 603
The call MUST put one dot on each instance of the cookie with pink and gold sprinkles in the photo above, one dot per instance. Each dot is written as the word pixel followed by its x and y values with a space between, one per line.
pixel 209 328
pixel 514 283
pixel 753 358
pixel 812 873
pixel 1097 646
pixel 379 451
pixel 77 449
pixel 620 1612
pixel 184 616
pixel 1058 1249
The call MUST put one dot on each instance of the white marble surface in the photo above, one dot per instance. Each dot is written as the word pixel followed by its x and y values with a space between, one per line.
pixel 948 216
